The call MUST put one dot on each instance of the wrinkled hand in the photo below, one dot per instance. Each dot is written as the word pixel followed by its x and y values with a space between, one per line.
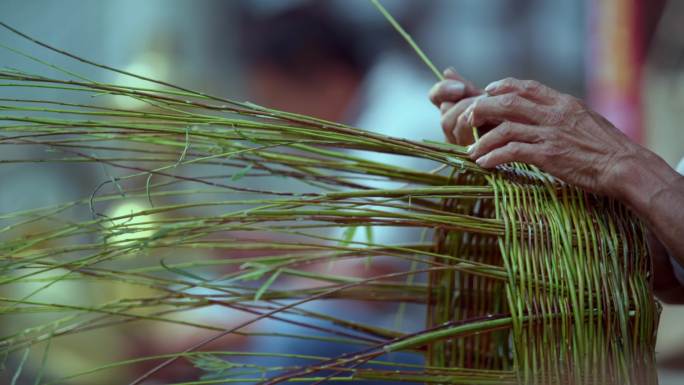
pixel 541 126
pixel 558 133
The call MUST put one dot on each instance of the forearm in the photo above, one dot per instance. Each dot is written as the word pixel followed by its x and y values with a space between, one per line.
pixel 656 193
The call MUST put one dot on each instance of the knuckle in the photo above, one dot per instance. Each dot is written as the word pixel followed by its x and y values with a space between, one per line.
pixel 509 100
pixel 532 87
pixel 515 150
pixel 554 116
pixel 509 151
pixel 505 129
pixel 551 150
pixel 509 81
pixel 543 134
pixel 546 150
pixel 572 103
pixel 570 109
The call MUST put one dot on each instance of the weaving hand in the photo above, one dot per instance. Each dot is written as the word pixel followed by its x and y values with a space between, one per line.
pixel 558 133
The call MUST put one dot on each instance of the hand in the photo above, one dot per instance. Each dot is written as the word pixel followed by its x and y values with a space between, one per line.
pixel 556 132
pixel 452 96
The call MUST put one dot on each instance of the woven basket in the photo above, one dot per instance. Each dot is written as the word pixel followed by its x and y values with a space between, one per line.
pixel 576 305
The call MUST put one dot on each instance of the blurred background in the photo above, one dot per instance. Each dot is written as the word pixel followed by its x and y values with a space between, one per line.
pixel 340 60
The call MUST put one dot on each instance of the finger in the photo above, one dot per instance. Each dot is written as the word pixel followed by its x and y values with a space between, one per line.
pixel 449 119
pixel 450 73
pixel 529 89
pixel 507 107
pixel 445 106
pixel 503 134
pixel 511 152
pixel 447 91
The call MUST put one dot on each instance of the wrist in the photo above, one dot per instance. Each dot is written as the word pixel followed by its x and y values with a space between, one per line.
pixel 641 178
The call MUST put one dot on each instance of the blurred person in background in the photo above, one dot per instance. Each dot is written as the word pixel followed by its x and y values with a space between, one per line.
pixel 301 60
pixel 305 59
pixel 319 59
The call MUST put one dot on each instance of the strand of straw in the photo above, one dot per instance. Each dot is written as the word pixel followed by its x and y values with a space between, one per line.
pixel 408 39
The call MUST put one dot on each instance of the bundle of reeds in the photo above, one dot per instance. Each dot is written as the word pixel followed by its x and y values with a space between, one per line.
pixel 524 279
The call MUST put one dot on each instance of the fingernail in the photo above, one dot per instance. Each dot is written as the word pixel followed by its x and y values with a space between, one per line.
pixel 449 71
pixel 492 86
pixel 481 161
pixel 469 149
pixel 455 87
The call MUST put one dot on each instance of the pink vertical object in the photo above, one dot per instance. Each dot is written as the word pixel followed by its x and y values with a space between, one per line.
pixel 615 61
